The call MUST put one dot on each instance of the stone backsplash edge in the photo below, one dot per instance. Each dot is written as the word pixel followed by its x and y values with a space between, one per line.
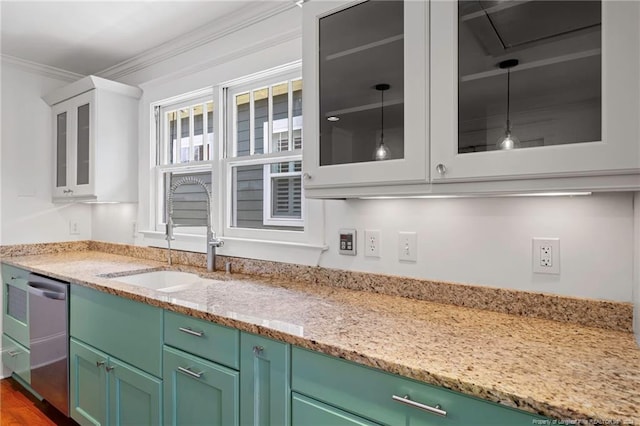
pixel 604 314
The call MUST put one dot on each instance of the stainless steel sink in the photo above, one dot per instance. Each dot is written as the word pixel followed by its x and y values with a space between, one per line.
pixel 164 281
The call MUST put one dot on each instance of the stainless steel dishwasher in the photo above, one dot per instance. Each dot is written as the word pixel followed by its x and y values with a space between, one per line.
pixel 49 339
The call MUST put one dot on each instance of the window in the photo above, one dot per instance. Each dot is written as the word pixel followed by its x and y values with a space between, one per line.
pixel 265 150
pixel 184 133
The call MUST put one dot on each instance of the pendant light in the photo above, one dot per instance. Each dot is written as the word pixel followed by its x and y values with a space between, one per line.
pixel 508 141
pixel 382 152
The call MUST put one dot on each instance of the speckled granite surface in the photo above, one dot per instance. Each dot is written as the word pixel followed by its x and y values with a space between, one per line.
pixel 593 313
pixel 557 369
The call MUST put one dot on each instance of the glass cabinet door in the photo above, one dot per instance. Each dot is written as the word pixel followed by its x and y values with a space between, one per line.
pixel 83 145
pixel 365 72
pixel 530 89
pixel 529 74
pixel 361 86
pixel 61 149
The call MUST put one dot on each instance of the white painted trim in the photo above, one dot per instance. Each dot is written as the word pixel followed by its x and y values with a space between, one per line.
pixel 217 29
pixel 636 266
pixel 40 69
pixel 275 251
pixel 89 83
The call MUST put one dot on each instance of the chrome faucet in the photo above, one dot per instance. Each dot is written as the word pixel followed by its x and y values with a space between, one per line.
pixel 212 241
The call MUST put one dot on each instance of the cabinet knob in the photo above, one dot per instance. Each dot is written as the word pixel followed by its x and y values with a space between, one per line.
pixel 257 350
pixel 307 175
pixel 109 368
pixel 441 169
pixel 100 363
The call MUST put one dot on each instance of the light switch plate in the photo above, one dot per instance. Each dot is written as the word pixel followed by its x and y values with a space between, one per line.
pixel 347 242
pixel 407 246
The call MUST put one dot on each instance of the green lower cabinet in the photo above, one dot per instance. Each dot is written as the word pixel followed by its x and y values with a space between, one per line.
pixel 264 381
pixel 106 391
pixel 309 412
pixel 135 397
pixel 16 358
pixel 380 397
pixel 198 392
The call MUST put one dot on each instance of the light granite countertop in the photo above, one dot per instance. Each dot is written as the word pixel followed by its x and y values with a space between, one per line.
pixel 561 370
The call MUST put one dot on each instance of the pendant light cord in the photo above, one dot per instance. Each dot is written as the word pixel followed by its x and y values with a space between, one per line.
pixel 508 98
pixel 381 117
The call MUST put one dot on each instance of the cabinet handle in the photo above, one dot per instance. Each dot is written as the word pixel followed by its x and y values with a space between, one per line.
pixel 109 368
pixel 441 169
pixel 433 410
pixel 68 191
pixel 190 372
pixel 257 350
pixel 307 176
pixel 14 354
pixel 100 363
pixel 191 332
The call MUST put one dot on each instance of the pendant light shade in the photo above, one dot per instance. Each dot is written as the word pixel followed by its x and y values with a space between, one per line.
pixel 382 151
pixel 508 140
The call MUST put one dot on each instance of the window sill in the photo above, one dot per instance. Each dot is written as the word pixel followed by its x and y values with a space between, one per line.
pixel 275 251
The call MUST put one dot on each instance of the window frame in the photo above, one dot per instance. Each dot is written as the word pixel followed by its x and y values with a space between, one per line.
pixel 161 143
pixel 228 92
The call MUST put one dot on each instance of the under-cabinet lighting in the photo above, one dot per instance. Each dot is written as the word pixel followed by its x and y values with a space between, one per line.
pixel 435 196
pixel 101 202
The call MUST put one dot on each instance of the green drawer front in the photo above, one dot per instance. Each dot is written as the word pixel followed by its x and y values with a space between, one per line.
pixel 16 358
pixel 368 393
pixel 128 330
pixel 9 271
pixel 205 339
pixel 15 306
pixel 309 412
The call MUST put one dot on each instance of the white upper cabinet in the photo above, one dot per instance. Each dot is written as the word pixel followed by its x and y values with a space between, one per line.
pixel 565 77
pixel 95 134
pixel 365 96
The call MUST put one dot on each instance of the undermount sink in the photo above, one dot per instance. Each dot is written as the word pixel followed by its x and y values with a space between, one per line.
pixel 165 281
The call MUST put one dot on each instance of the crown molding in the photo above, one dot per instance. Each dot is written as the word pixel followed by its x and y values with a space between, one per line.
pixel 221 27
pixel 222 59
pixel 41 69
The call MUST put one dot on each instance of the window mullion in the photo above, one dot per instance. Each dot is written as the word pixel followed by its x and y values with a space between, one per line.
pixel 177 147
pixel 290 115
pixel 192 126
pixel 269 135
pixel 252 130
pixel 205 132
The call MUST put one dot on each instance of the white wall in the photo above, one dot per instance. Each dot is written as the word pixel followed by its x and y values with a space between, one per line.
pixel 28 216
pixel 114 223
pixel 487 241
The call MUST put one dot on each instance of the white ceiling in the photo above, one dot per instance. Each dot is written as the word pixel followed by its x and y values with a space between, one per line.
pixel 86 37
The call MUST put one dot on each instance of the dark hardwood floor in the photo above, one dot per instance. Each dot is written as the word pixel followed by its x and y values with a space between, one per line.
pixel 19 408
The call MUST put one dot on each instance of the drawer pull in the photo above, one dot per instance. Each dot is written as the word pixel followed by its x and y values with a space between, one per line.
pixel 191 332
pixel 14 354
pixel 433 410
pixel 190 372
pixel 100 363
pixel 258 350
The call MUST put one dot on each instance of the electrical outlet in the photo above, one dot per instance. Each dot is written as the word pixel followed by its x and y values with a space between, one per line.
pixel 546 255
pixel 407 246
pixel 371 243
